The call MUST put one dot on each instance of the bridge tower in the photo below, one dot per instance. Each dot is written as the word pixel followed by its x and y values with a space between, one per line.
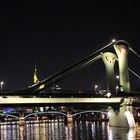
pixel 109 61
pixel 122 47
pixel 123 115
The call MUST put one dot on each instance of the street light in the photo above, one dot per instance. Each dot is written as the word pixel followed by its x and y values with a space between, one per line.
pixel 117 89
pixel 118 83
pixel 1 84
pixel 113 40
pixel 117 76
pixel 96 89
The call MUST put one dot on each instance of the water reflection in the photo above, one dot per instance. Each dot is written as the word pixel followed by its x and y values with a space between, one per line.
pixel 68 132
pixel 58 130
pixel 118 133
pixel 91 130
pixel 8 131
pixel 21 132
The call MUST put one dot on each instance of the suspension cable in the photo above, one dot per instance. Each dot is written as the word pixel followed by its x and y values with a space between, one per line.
pixel 72 67
pixel 134 73
pixel 66 73
pixel 134 52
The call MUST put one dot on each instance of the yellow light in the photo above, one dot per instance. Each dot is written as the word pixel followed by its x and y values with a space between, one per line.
pixel 35 76
pixel 42 86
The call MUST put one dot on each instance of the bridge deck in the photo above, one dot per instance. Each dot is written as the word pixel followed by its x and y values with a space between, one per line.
pixel 20 101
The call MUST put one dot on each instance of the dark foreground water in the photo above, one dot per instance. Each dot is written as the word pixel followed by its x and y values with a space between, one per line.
pixel 57 130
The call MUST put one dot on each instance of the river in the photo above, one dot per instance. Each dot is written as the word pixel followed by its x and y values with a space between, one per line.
pixel 58 130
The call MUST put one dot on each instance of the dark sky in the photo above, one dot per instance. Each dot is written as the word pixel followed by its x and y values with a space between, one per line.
pixel 56 34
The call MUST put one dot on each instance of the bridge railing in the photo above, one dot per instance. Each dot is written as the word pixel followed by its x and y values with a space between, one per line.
pixel 58 94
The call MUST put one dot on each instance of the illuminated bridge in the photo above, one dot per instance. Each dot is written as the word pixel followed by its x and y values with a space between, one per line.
pixel 120 98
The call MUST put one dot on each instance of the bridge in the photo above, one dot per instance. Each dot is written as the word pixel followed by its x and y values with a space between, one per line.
pixel 34 95
pixel 57 101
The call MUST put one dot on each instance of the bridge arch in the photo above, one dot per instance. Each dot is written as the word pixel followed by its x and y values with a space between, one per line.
pixel 46 113
pixel 90 111
pixel 9 115
pixel 90 115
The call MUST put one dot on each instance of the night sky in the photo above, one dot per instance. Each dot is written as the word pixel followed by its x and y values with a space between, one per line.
pixel 56 34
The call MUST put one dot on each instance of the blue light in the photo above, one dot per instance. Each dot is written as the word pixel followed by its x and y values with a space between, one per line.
pixel 7 110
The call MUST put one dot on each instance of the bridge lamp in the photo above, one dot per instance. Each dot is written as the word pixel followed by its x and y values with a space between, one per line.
pixel 117 89
pixel 96 88
pixel 1 85
pixel 108 94
pixel 117 80
pixel 113 40
pixel 117 76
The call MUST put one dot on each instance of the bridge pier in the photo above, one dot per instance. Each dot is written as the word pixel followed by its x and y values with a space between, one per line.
pixel 21 119
pixel 69 118
pixel 121 117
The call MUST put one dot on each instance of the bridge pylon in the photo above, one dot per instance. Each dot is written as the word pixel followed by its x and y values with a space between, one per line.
pixel 109 61
pixel 124 117
pixel 122 47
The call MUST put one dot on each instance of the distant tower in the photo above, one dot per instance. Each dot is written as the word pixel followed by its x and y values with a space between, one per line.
pixel 109 61
pixel 122 47
pixel 35 78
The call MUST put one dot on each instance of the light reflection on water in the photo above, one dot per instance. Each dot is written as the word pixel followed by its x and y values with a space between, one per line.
pixel 57 130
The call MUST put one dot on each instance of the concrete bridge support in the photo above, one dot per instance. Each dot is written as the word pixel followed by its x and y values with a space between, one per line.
pixel 69 118
pixel 109 61
pixel 121 47
pixel 121 117
pixel 21 119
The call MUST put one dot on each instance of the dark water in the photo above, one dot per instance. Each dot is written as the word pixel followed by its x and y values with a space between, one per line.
pixel 57 130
